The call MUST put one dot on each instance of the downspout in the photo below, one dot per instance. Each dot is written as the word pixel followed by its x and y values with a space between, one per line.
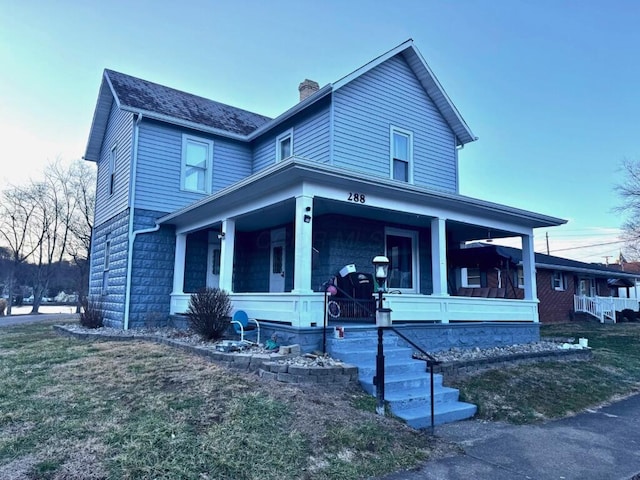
pixel 132 233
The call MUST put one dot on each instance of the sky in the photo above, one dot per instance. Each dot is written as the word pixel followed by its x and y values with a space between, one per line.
pixel 550 87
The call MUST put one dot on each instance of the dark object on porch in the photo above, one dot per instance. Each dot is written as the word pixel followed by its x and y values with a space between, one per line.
pixel 354 298
pixel 627 315
pixel 481 292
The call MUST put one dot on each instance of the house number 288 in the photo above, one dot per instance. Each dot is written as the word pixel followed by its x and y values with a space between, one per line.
pixel 357 197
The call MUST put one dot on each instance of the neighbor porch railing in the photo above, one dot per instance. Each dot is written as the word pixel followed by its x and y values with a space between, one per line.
pixel 603 308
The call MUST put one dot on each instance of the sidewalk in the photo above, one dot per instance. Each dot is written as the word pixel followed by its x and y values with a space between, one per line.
pixel 601 444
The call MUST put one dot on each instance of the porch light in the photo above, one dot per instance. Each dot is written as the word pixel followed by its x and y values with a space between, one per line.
pixel 221 236
pixel 307 218
pixel 381 267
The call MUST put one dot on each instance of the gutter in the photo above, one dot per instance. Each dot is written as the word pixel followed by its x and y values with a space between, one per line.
pixel 133 233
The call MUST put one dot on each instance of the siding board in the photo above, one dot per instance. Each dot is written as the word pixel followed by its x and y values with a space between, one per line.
pixel 118 133
pixel 390 94
pixel 160 163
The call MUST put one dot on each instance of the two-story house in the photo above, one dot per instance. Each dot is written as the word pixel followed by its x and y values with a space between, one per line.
pixel 194 193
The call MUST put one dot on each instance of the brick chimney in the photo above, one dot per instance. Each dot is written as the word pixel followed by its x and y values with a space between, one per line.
pixel 308 88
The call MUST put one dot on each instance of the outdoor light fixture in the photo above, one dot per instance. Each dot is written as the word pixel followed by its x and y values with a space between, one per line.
pixel 221 236
pixel 383 319
pixel 307 218
pixel 381 267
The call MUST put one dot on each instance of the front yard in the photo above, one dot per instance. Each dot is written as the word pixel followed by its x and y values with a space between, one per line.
pixel 71 409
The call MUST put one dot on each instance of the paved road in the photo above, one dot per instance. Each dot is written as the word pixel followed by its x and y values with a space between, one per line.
pixel 602 444
pixel 23 318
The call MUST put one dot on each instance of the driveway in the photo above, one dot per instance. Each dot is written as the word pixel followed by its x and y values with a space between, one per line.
pixel 22 318
pixel 599 444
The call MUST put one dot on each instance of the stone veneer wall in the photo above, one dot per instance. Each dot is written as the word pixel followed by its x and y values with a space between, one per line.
pixel 152 272
pixel 111 301
pixel 441 336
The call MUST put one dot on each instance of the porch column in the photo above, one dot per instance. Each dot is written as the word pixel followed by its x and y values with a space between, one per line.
pixel 227 249
pixel 303 245
pixel 529 268
pixel 178 265
pixel 439 256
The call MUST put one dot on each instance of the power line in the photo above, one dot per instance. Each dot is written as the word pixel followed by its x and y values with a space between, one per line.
pixel 588 246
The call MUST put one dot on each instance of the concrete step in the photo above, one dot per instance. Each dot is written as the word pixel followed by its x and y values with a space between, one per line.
pixel 420 398
pixel 443 413
pixel 391 355
pixel 392 367
pixel 402 383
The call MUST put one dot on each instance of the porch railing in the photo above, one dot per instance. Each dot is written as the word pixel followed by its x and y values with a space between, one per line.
pixel 603 308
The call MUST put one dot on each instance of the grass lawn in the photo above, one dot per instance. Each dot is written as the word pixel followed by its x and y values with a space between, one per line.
pixel 72 409
pixel 542 391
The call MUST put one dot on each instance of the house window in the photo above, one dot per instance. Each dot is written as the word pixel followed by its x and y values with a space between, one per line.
pixel 112 169
pixel 197 156
pixel 284 145
pixel 558 281
pixel 401 155
pixel 471 277
pixel 520 277
pixel 401 247
pixel 107 260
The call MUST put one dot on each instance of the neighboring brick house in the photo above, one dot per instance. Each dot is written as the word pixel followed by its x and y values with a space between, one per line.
pixel 194 193
pixel 558 280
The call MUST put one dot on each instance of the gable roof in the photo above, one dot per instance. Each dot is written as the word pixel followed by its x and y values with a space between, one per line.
pixel 543 261
pixel 167 104
pixel 429 82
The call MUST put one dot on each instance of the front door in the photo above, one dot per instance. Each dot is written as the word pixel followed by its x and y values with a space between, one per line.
pixel 277 260
pixel 213 265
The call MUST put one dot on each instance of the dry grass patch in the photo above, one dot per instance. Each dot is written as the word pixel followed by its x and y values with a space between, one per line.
pixel 119 410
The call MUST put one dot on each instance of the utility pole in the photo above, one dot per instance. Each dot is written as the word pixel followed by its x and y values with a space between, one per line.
pixel 606 259
pixel 547 235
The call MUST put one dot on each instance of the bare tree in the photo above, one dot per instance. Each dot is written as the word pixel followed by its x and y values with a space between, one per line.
pixel 17 215
pixel 48 222
pixel 629 192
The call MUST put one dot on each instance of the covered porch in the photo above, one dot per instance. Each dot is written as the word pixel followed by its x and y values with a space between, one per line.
pixel 274 240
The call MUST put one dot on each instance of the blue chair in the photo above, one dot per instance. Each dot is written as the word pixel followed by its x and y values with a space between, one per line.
pixel 242 324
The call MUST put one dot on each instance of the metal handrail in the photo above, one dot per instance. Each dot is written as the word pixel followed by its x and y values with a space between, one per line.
pixel 430 362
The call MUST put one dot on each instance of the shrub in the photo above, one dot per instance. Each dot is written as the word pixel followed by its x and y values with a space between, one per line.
pixel 3 306
pixel 208 313
pixel 91 315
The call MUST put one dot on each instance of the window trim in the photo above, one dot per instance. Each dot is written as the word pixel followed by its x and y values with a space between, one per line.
pixel 520 274
pixel 409 134
pixel 113 157
pixel 186 139
pixel 464 277
pixel 288 134
pixel 558 275
pixel 415 255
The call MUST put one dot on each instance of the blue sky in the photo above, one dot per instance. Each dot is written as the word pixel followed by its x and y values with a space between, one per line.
pixel 550 87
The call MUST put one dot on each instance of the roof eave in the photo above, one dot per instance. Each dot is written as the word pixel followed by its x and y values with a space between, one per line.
pixel 591 271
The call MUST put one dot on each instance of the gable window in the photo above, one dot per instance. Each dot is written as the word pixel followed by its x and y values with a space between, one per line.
pixel 558 281
pixel 401 155
pixel 284 145
pixel 107 260
pixel 401 248
pixel 197 156
pixel 112 169
pixel 471 277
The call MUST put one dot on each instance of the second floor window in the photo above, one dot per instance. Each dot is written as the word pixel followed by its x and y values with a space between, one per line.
pixel 401 155
pixel 284 145
pixel 196 164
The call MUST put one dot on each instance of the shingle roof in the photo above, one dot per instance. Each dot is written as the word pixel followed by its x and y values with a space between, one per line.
pixel 142 95
pixel 542 260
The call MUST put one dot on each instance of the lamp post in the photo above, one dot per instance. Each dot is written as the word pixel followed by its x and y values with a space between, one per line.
pixel 383 319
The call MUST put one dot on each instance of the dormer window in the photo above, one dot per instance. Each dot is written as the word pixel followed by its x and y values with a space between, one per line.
pixel 197 154
pixel 284 145
pixel 401 155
